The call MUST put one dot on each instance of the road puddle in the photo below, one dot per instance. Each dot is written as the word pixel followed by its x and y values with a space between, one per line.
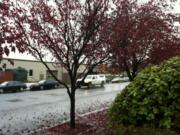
pixel 53 95
pixel 14 100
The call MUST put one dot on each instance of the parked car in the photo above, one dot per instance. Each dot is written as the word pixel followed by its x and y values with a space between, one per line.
pixel 44 85
pixel 92 80
pixel 12 86
pixel 120 79
pixel 103 77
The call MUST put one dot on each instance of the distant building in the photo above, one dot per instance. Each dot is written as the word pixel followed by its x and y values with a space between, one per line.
pixel 37 71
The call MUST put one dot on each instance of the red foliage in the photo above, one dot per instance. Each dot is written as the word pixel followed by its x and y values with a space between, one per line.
pixel 142 34
pixel 160 54
pixel 8 32
pixel 66 29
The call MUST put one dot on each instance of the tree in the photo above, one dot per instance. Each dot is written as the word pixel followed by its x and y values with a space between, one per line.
pixel 142 33
pixel 5 36
pixel 71 31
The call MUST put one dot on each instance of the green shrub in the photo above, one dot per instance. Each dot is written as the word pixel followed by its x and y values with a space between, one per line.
pixel 19 74
pixel 153 98
pixel 131 130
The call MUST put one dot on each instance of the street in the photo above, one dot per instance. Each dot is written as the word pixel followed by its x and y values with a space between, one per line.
pixel 22 113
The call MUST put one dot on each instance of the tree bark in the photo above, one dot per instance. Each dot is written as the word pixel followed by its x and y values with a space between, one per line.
pixel 128 71
pixel 129 75
pixel 135 65
pixel 72 112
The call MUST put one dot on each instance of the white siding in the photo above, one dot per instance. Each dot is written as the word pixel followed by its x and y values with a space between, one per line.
pixel 37 68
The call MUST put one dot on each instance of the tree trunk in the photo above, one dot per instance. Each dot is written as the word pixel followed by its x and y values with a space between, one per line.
pixel 129 76
pixel 127 70
pixel 135 65
pixel 134 74
pixel 72 112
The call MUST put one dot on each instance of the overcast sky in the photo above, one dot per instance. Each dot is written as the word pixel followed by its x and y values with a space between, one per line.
pixel 177 7
pixel 29 57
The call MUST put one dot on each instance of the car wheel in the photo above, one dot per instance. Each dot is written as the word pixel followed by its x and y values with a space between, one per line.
pixel 78 85
pixel 90 85
pixel 1 91
pixel 21 89
pixel 15 90
pixel 55 86
pixel 102 84
pixel 41 87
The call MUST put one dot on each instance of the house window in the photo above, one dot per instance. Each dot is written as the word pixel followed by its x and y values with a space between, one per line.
pixel 30 72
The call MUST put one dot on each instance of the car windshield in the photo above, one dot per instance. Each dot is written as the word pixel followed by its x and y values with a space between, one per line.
pixel 42 81
pixel 89 77
pixel 4 83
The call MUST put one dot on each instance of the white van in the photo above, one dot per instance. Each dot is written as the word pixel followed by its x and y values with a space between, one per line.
pixel 92 80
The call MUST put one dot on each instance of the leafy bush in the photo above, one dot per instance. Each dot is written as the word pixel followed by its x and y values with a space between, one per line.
pixel 153 98
pixel 19 74
pixel 131 130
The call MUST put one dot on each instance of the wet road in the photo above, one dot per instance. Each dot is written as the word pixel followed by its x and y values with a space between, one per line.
pixel 21 113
